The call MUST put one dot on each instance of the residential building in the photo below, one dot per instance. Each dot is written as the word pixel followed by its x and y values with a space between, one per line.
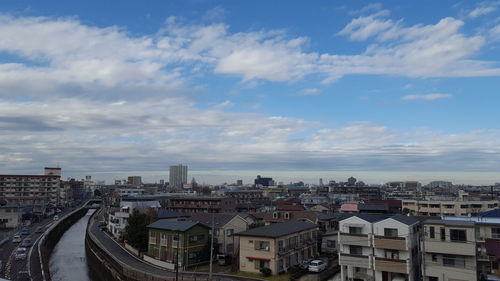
pixel 225 226
pixel 449 250
pixel 10 216
pixel 262 181
pixel 448 207
pixel 183 242
pixel 202 204
pixel 39 193
pixel 178 176
pixel 277 246
pixel 324 221
pixel 135 181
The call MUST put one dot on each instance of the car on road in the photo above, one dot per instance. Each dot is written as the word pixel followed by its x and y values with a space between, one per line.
pixel 17 238
pixel 304 264
pixel 317 266
pixel 56 217
pixel 21 254
pixel 25 231
pixel 39 229
pixel 27 242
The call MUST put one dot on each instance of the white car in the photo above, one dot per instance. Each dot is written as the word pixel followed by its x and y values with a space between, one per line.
pixel 317 266
pixel 21 254
pixel 17 238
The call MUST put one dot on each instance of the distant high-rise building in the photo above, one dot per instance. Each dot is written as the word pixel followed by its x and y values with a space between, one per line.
pixel 178 176
pixel 162 182
pixel 321 182
pixel 263 181
pixel 134 180
pixel 239 182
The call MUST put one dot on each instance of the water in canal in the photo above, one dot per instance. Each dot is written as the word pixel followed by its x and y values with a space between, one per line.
pixel 68 260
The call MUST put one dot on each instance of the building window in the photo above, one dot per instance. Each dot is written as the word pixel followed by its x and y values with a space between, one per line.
pixel 434 257
pixel 262 245
pixel 432 233
pixel 458 235
pixel 443 234
pixel 454 261
pixel 229 232
pixel 194 238
pixel 391 232
pixel 355 230
pixel 355 250
pixel 330 243
pixel 192 255
pixel 392 254
pixel 495 233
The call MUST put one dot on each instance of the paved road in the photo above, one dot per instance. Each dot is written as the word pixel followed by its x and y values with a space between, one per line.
pixel 127 259
pixel 17 270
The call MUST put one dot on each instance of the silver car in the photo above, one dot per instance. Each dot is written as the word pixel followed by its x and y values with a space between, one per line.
pixel 21 254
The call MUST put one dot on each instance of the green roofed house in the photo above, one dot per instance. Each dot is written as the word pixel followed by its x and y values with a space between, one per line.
pixel 184 241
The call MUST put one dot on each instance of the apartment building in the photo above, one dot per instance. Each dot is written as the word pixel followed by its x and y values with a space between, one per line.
pixel 448 208
pixel 449 250
pixel 379 248
pixel 278 246
pixel 202 204
pixel 36 192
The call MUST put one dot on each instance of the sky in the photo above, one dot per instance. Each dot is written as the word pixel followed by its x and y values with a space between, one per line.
pixel 392 90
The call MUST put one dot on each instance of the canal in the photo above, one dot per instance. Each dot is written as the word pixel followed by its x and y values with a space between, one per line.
pixel 68 260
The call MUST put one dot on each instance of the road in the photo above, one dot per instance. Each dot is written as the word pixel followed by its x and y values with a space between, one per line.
pixel 18 270
pixel 127 259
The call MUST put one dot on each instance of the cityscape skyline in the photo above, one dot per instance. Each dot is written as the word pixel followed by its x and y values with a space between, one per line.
pixel 362 86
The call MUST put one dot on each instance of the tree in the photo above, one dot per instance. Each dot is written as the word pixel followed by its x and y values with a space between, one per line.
pixel 136 231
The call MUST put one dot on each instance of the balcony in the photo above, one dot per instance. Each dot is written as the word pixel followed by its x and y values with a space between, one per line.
pixel 450 248
pixel 354 260
pixel 391 265
pixel 354 239
pixel 391 243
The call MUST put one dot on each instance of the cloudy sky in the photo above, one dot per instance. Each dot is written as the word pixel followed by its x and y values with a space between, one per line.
pixel 392 90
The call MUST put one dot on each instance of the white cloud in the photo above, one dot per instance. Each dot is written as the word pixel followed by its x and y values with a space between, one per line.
pixel 310 92
pixel 483 8
pixel 428 97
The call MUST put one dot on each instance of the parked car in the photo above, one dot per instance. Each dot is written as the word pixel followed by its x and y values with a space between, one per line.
pixel 56 217
pixel 17 238
pixel 27 242
pixel 21 254
pixel 305 263
pixel 317 266
pixel 39 229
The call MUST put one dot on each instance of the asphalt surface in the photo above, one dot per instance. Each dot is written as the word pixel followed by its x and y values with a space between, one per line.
pixel 125 258
pixel 17 270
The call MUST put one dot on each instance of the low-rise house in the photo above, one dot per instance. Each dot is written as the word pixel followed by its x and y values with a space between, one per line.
pixel 202 204
pixel 183 242
pixel 277 246
pixel 225 226
pixel 117 220
pixel 10 216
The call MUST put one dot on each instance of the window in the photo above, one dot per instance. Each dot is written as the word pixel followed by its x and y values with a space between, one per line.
pixel 495 233
pixel 432 234
pixel 192 255
pixel 229 232
pixel 262 245
pixel 330 243
pixel 194 238
pixel 464 206
pixel 275 215
pixel 392 254
pixel 391 232
pixel 443 234
pixel 355 250
pixel 458 235
pixel 355 230
pixel 434 257
pixel 454 261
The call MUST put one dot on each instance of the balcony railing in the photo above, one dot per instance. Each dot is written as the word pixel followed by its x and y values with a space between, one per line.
pixel 391 265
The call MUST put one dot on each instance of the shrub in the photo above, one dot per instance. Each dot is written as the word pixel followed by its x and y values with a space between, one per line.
pixel 266 272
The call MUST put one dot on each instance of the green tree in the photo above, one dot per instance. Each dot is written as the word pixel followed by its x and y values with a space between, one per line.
pixel 136 231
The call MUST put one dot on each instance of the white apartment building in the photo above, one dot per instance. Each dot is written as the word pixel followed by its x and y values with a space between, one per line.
pixel 450 251
pixel 178 176
pixel 377 248
pixel 448 207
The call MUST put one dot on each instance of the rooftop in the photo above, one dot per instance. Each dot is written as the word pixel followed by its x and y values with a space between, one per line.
pixel 173 225
pixel 279 229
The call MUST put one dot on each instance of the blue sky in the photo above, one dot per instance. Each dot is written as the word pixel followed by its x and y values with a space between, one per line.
pixel 408 88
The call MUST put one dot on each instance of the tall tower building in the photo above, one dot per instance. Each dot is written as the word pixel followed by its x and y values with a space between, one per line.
pixel 178 176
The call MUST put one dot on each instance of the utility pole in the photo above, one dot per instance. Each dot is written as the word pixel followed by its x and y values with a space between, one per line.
pixel 177 259
pixel 212 246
